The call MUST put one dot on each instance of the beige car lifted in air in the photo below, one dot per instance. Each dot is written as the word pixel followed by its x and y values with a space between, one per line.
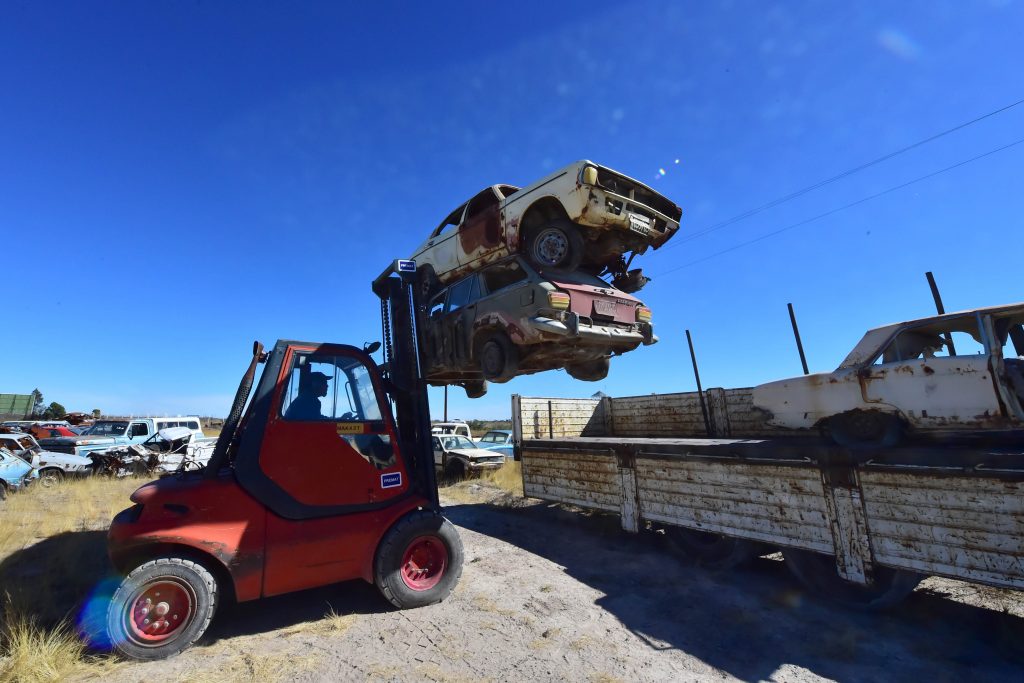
pixel 583 216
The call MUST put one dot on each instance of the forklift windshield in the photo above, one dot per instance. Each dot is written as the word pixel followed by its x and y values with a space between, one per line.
pixel 336 388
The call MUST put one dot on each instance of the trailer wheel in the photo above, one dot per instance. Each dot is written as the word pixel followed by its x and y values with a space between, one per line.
pixel 161 608
pixel 818 573
pixel 419 561
pixel 712 550
pixel 865 428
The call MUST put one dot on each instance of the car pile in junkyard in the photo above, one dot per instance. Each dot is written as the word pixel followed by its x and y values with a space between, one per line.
pixel 24 461
pixel 523 280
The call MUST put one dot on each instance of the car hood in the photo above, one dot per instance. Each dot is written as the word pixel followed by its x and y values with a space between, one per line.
pixel 63 458
pixel 474 453
pixel 75 440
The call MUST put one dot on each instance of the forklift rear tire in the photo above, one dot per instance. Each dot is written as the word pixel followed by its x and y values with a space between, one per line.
pixel 419 560
pixel 161 608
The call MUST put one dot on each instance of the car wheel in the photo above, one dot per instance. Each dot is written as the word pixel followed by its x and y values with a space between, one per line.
pixel 475 389
pixel 455 471
pixel 590 371
pixel 161 608
pixel 498 358
pixel 3 491
pixel 556 245
pixel 711 550
pixel 865 428
pixel 419 561
pixel 50 477
pixel 427 284
pixel 819 574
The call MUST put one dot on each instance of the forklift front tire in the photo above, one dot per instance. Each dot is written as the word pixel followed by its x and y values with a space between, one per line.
pixel 161 608
pixel 419 560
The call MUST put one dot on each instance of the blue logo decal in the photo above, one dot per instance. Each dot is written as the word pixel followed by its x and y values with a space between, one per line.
pixel 391 480
pixel 406 266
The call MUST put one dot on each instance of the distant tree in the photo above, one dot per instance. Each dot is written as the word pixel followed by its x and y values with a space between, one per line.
pixel 55 412
pixel 37 402
pixel 96 412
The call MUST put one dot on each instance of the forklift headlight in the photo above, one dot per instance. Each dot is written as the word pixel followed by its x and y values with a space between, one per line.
pixel 558 301
pixel 643 314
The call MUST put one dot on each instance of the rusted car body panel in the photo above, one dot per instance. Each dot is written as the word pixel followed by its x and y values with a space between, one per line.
pixel 951 512
pixel 599 321
pixel 906 370
pixel 617 214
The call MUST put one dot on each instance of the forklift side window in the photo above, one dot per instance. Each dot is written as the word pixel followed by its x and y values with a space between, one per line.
pixel 334 388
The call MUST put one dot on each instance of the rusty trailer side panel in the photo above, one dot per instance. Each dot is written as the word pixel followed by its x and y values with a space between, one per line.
pixel 954 512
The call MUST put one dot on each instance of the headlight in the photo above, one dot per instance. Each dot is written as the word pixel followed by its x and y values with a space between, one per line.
pixel 589 175
pixel 558 300
pixel 643 314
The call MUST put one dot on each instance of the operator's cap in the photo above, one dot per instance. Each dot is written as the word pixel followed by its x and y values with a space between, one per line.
pixel 319 375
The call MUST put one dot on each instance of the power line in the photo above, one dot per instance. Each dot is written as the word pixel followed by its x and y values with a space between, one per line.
pixel 842 208
pixel 827 181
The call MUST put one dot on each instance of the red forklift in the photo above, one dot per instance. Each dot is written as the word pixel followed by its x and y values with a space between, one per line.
pixel 315 481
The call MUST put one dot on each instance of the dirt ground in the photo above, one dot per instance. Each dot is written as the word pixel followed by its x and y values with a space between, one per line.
pixel 550 594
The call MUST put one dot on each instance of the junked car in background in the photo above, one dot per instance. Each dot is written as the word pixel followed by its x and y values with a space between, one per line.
pixel 955 373
pixel 499 441
pixel 581 216
pixel 52 466
pixel 15 473
pixel 105 434
pixel 460 428
pixel 174 449
pixel 508 319
pixel 457 457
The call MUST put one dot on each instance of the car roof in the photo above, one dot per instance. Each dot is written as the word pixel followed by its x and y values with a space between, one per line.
pixel 499 431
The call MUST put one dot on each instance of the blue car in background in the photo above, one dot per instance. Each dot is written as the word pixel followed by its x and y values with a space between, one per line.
pixel 499 440
pixel 15 473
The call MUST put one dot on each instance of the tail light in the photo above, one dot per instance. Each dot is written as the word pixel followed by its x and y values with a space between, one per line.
pixel 643 314
pixel 558 300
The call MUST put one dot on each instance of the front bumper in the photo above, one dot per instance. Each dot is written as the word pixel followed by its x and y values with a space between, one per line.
pixel 481 466
pixel 575 327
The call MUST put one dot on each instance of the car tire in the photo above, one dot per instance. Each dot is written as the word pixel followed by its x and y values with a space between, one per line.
pixel 418 561
pixel 859 428
pixel 818 573
pixel 590 371
pixel 475 389
pixel 3 491
pixel 498 358
pixel 181 593
pixel 558 244
pixel 50 477
pixel 455 471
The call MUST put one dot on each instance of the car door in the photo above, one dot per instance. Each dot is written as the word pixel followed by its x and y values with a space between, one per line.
pixel 438 453
pixel 481 236
pixel 457 324
pixel 932 387
pixel 442 248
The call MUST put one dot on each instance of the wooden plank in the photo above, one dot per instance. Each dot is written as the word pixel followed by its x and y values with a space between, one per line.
pixel 1000 579
pixel 781 532
pixel 1006 524
pixel 782 514
pixel 584 499
pixel 763 496
pixel 769 535
pixel 983 540
pixel 629 510
pixel 882 482
pixel 610 487
pixel 889 550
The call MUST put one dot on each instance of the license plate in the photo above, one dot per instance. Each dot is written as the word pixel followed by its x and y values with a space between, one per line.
pixel 640 224
pixel 604 308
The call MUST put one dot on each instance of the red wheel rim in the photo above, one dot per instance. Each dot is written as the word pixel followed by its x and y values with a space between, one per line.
pixel 424 563
pixel 160 612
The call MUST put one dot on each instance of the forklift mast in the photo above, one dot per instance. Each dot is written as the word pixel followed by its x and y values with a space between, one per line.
pixel 405 385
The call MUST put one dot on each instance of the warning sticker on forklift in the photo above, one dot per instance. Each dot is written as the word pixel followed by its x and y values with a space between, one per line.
pixel 391 480
pixel 350 427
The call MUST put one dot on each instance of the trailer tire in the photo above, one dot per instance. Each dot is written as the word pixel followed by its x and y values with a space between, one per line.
pixel 710 550
pixel 817 572
pixel 419 560
pixel 175 589
pixel 858 428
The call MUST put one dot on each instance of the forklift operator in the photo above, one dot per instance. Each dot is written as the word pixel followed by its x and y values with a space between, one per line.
pixel 306 405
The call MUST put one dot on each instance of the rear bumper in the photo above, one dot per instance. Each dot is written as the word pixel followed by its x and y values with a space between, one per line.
pixel 574 327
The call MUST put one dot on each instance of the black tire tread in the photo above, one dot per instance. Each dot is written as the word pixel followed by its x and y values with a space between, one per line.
pixel 388 547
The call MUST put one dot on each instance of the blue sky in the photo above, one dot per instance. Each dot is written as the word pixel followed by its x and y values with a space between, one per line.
pixel 178 179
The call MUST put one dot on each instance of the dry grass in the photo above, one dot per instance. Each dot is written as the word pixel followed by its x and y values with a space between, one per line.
pixel 52 554
pixel 508 478
pixel 331 624
pixel 253 668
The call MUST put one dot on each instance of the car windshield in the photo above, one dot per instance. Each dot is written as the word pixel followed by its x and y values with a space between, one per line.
pixel 107 429
pixel 453 442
